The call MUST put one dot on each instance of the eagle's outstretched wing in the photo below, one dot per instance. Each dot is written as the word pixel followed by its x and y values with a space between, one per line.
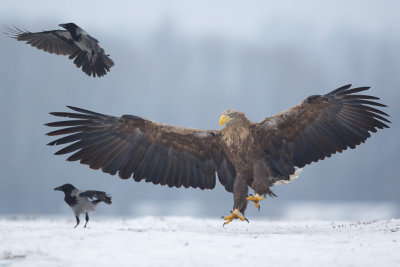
pixel 130 145
pixel 100 195
pixel 56 42
pixel 318 127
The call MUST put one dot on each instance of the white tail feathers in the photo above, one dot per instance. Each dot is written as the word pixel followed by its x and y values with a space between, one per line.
pixel 292 177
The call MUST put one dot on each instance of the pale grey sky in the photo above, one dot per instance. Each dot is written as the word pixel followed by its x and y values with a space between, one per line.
pixel 236 19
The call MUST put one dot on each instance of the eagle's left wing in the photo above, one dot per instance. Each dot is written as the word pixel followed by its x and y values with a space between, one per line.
pixel 318 127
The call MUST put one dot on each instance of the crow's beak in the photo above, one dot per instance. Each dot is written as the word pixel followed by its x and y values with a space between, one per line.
pixel 57 188
pixel 61 25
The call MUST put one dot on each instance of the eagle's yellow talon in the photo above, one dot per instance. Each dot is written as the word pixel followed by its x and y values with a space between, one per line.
pixel 255 199
pixel 235 215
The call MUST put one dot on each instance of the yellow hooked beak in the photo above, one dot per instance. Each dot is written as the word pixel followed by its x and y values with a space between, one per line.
pixel 224 119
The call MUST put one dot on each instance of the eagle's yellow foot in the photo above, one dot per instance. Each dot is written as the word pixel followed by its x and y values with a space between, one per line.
pixel 235 215
pixel 255 199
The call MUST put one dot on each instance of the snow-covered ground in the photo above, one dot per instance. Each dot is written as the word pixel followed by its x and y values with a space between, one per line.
pixel 185 241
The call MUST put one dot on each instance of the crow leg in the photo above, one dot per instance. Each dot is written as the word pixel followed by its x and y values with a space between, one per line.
pixel 77 221
pixel 86 218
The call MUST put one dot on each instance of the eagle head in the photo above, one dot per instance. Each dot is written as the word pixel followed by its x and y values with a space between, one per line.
pixel 230 116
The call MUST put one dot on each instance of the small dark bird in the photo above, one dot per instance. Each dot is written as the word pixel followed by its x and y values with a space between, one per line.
pixel 73 42
pixel 82 201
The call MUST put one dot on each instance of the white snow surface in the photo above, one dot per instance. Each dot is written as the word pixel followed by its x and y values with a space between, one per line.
pixel 186 241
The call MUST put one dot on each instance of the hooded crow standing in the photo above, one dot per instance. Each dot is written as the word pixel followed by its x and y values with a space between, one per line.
pixel 82 201
pixel 73 42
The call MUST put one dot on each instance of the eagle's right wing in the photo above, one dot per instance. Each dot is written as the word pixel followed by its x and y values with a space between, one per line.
pixel 148 150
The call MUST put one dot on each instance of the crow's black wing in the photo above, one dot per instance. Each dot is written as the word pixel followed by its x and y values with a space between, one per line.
pixel 56 42
pixel 96 194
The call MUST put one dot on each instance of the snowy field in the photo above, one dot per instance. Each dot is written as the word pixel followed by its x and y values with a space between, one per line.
pixel 185 241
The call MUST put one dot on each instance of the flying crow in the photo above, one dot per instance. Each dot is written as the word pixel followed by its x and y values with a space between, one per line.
pixel 82 201
pixel 73 42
